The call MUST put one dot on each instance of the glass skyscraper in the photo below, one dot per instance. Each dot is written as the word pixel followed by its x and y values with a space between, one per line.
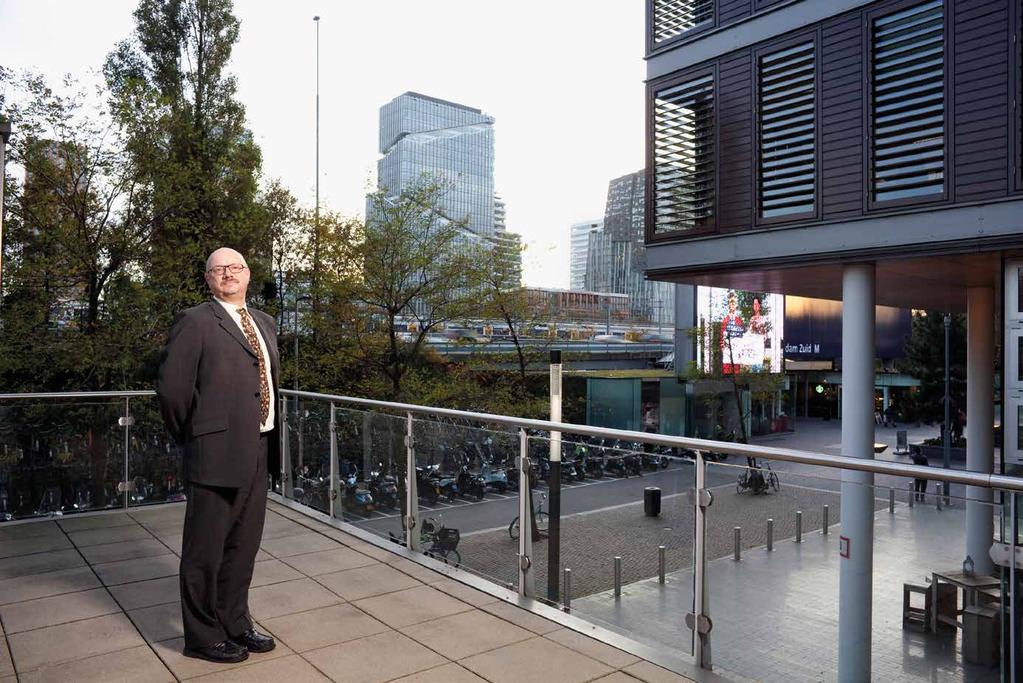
pixel 424 137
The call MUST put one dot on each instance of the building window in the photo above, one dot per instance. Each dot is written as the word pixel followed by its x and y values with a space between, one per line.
pixel 908 104
pixel 683 156
pixel 787 132
pixel 674 17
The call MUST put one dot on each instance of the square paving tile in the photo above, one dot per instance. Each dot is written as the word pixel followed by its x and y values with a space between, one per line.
pixel 593 648
pixel 651 673
pixel 124 550
pixel 272 571
pixel 411 606
pixel 49 583
pixel 534 660
pixel 138 569
pixel 171 652
pixel 6 665
pixel 617 677
pixel 289 597
pixel 292 669
pixel 449 673
pixel 58 609
pixel 29 530
pixel 36 563
pixel 373 659
pixel 105 521
pixel 521 617
pixel 327 561
pixel 467 633
pixel 324 626
pixel 160 622
pixel 414 569
pixel 33 544
pixel 286 546
pixel 157 518
pixel 74 641
pixel 133 532
pixel 365 582
pixel 147 593
pixel 134 665
pixel 282 528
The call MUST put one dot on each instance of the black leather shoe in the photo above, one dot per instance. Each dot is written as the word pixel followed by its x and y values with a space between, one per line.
pixel 254 641
pixel 224 652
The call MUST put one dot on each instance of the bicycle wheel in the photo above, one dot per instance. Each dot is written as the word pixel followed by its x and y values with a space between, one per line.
pixel 543 522
pixel 772 478
pixel 513 529
pixel 453 558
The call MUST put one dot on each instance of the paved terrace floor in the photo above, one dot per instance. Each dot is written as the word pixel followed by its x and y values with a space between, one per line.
pixel 95 598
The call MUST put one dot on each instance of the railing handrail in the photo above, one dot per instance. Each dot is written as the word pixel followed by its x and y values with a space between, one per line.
pixel 844 462
pixel 80 394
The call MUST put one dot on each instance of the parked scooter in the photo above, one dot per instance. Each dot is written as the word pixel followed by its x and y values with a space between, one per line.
pixel 354 497
pixel 383 488
pixel 470 484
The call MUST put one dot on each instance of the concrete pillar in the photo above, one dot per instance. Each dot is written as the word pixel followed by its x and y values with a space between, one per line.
pixel 856 544
pixel 980 417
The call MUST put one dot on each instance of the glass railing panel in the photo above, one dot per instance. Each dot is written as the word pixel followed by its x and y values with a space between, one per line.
pixel 59 456
pixel 155 461
pixel 370 469
pixel 775 602
pixel 621 503
pixel 309 452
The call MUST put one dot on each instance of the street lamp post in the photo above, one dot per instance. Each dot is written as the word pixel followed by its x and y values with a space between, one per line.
pixel 947 431
pixel 316 210
pixel 5 135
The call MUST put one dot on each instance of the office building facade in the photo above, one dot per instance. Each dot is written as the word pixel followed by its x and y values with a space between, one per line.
pixel 579 243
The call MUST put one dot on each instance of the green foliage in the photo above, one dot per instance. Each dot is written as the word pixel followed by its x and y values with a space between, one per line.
pixel 925 360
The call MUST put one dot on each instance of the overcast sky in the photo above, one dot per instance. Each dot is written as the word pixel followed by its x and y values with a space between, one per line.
pixel 563 78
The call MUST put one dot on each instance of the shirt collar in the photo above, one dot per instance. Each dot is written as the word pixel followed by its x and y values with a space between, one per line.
pixel 231 308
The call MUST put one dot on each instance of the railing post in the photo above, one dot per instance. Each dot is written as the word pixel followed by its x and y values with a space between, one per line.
pixel 411 490
pixel 699 620
pixel 332 496
pixel 127 436
pixel 526 578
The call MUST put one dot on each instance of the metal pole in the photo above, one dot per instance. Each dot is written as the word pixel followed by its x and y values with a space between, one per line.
pixel 770 535
pixel 526 578
pixel 554 528
pixel 660 563
pixel 857 511
pixel 980 378
pixel 737 550
pixel 332 497
pixel 912 493
pixel 127 436
pixel 5 135
pixel 618 577
pixel 568 589
pixel 799 526
pixel 411 490
pixel 287 486
pixel 701 623
pixel 296 345
pixel 316 214
pixel 891 500
pixel 1013 605
pixel 824 522
pixel 946 439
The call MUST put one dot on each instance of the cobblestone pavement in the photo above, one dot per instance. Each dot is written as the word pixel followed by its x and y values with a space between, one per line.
pixel 776 614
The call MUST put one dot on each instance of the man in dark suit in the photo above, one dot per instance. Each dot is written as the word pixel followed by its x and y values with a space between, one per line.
pixel 217 382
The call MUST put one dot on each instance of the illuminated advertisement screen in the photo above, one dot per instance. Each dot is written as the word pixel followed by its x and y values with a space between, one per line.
pixel 740 331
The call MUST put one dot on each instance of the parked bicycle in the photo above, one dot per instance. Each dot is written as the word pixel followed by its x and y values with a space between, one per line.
pixel 543 520
pixel 757 478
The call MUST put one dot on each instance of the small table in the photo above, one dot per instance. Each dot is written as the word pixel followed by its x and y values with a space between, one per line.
pixel 969 585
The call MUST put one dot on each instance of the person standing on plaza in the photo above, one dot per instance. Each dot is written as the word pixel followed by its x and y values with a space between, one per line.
pixel 919 483
pixel 217 381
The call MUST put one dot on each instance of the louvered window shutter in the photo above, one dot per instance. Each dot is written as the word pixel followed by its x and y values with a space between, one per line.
pixel 674 17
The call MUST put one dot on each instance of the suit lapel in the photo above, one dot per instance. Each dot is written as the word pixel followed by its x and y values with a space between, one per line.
pixel 229 326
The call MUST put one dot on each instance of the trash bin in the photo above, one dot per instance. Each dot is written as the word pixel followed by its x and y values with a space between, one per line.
pixel 652 501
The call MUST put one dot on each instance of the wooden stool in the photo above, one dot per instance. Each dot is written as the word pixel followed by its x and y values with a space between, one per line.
pixel 916 618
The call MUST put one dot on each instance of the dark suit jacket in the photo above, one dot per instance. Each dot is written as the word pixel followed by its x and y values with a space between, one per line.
pixel 208 387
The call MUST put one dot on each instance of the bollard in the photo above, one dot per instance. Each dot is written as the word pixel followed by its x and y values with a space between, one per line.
pixel 770 535
pixel 618 577
pixel 660 563
pixel 824 529
pixel 737 552
pixel 568 589
pixel 912 495
pixel 799 526
pixel 891 500
pixel 937 498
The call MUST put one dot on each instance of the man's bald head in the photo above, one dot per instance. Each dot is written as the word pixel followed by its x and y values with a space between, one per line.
pixel 227 275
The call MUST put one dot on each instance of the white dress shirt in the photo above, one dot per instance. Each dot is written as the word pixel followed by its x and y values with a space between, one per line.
pixel 232 310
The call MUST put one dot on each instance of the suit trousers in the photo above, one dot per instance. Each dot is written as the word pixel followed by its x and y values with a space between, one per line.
pixel 223 530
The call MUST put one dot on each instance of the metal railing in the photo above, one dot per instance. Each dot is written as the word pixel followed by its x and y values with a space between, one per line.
pixel 405 424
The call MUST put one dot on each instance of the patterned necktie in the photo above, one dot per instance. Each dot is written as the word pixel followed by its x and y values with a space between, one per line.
pixel 264 385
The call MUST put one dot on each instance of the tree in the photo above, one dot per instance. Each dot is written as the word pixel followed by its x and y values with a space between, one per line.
pixel 925 360
pixel 282 224
pixel 415 268
pixel 77 232
pixel 186 131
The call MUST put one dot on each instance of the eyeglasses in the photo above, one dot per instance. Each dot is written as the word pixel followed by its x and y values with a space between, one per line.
pixel 234 269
